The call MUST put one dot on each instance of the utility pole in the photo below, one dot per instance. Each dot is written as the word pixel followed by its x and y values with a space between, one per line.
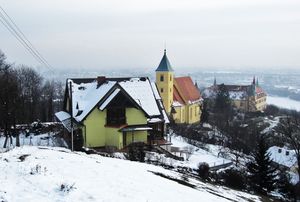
pixel 71 111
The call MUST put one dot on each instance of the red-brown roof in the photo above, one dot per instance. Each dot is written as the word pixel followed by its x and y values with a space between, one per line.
pixel 259 90
pixel 187 89
pixel 176 96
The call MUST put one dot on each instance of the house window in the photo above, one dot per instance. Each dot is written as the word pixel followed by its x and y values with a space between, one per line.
pixel 170 90
pixel 191 111
pixel 170 77
pixel 161 77
pixel 161 90
pixel 115 116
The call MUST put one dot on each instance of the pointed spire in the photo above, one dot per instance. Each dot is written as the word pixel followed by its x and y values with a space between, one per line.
pixel 196 84
pixel 253 82
pixel 215 81
pixel 256 81
pixel 164 65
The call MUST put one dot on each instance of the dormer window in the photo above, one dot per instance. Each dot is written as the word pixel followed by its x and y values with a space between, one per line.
pixel 279 150
pixel 287 153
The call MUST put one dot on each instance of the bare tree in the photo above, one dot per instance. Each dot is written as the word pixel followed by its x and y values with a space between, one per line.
pixel 289 129
pixel 9 97
pixel 46 102
pixel 29 82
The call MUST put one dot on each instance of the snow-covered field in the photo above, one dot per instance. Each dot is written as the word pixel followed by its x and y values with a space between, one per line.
pixel 56 174
pixel 198 155
pixel 45 139
pixel 284 102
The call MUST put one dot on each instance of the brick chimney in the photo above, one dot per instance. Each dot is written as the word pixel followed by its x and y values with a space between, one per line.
pixel 100 80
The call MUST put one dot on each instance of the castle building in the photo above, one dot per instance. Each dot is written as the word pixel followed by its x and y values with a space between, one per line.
pixel 181 98
pixel 247 98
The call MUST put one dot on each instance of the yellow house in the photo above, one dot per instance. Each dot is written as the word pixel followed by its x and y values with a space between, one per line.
pixel 114 112
pixel 181 98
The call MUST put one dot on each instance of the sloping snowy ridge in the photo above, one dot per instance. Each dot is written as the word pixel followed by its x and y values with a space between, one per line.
pixel 31 173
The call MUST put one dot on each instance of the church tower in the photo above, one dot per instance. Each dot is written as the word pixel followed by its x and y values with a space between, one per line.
pixel 164 82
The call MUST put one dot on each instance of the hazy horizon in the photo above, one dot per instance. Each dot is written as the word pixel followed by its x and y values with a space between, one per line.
pixel 199 34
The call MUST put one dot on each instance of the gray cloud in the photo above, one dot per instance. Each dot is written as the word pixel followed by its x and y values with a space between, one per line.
pixel 122 34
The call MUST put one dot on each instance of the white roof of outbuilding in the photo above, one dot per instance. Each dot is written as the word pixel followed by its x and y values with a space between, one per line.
pixel 283 156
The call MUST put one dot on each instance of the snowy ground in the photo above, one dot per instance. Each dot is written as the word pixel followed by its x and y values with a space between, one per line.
pixel 273 123
pixel 56 174
pixel 198 155
pixel 46 139
pixel 284 102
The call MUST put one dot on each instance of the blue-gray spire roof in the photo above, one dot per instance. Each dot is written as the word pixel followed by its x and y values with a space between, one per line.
pixel 164 65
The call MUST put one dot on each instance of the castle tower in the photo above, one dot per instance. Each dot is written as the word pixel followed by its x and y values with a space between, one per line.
pixel 164 82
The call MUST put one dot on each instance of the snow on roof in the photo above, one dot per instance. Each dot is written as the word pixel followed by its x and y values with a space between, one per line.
pixel 176 104
pixel 107 101
pixel 65 119
pixel 87 93
pixel 282 156
pixel 155 91
pixel 209 93
pixel 136 128
pixel 154 120
pixel 166 118
pixel 62 115
pixel 237 95
pixel 142 92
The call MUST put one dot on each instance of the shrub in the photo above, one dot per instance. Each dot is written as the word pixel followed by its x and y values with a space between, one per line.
pixel 203 170
pixel 285 187
pixel 37 169
pixel 136 152
pixel 234 178
pixel 64 187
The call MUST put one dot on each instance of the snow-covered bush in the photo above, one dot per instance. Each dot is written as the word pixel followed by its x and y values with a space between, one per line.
pixel 66 188
pixel 37 169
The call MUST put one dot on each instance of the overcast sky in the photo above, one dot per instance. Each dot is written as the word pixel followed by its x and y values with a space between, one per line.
pixel 132 33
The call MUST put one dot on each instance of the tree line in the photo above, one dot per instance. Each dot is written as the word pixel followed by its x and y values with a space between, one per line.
pixel 25 97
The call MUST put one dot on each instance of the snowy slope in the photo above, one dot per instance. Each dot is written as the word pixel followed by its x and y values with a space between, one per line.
pixel 198 155
pixel 284 102
pixel 94 178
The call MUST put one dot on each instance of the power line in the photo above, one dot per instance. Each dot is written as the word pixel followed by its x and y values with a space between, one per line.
pixel 20 31
pixel 20 39
pixel 22 43
pixel 8 22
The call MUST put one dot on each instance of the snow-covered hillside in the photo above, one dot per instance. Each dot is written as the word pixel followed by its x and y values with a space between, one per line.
pixel 284 102
pixel 31 173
